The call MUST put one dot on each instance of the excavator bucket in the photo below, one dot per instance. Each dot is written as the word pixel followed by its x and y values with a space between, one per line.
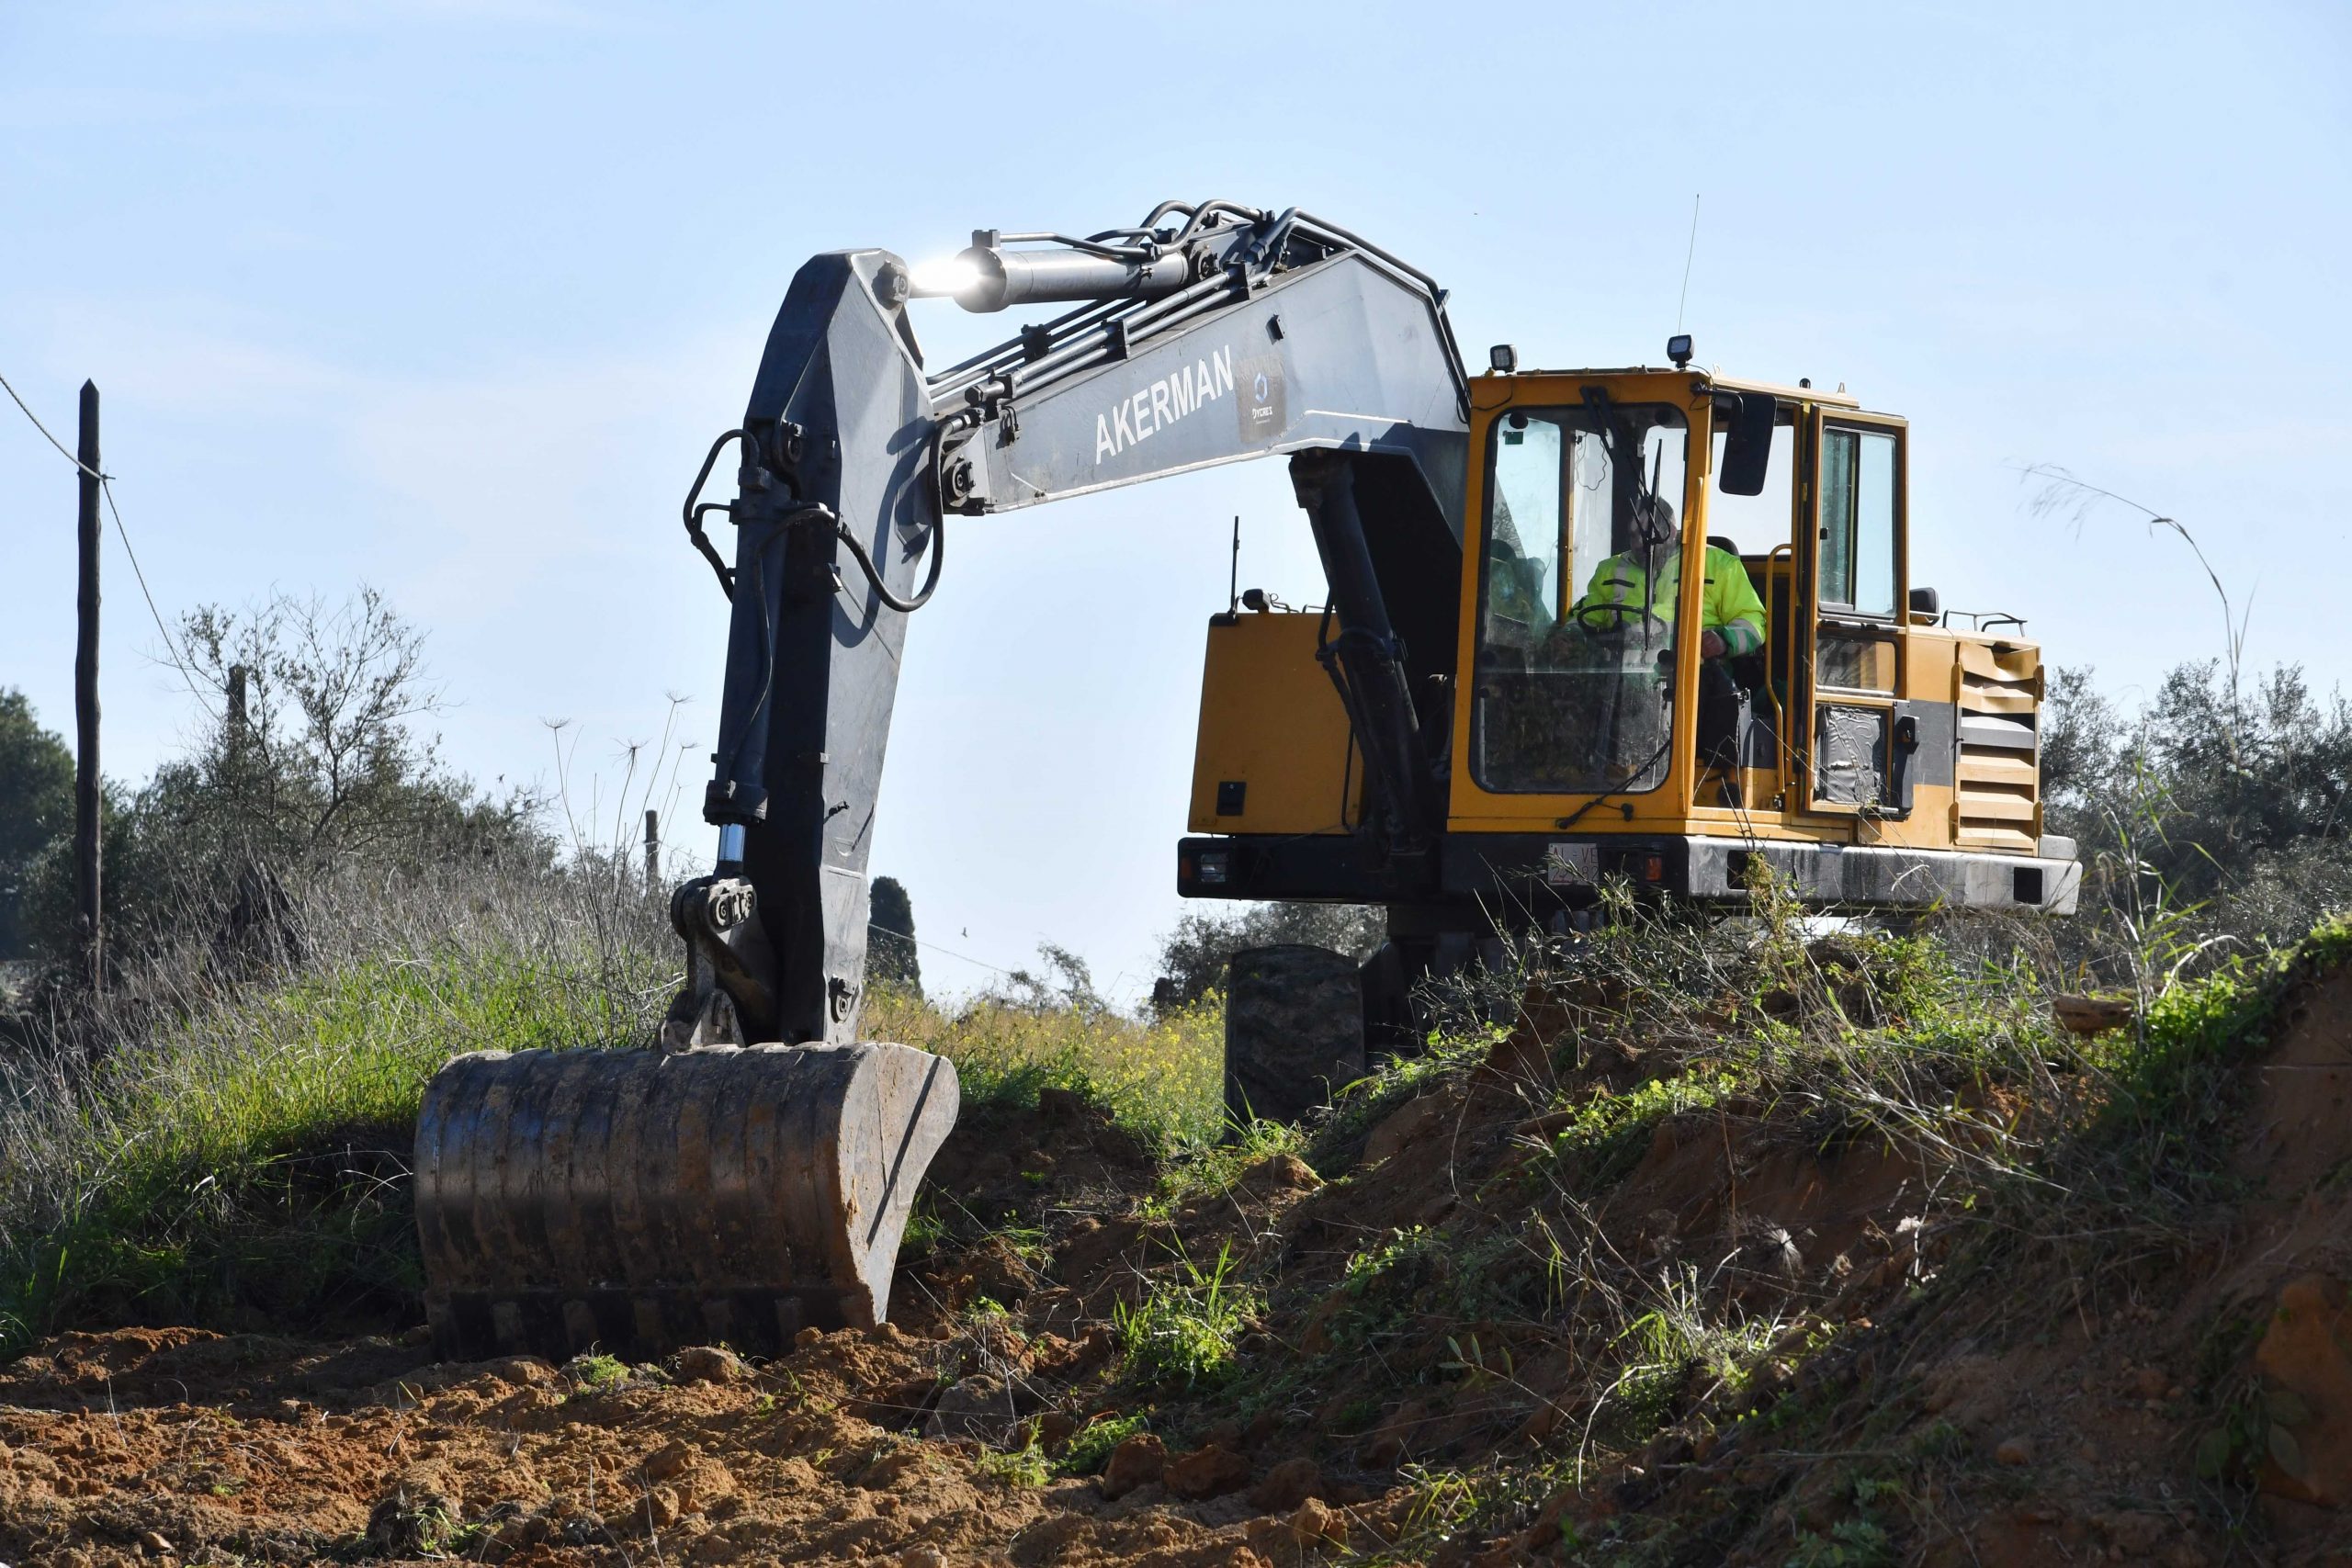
pixel 638 1201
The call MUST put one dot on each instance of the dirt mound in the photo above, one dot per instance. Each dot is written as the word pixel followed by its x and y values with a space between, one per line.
pixel 1586 1294
pixel 2192 1405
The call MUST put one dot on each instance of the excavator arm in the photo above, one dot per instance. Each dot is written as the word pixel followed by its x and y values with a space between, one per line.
pixel 1209 334
pixel 753 1178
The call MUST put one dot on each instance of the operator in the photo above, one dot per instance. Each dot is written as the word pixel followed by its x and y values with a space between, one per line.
pixel 1731 615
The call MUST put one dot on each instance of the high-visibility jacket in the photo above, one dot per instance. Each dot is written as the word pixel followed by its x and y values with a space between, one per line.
pixel 1728 606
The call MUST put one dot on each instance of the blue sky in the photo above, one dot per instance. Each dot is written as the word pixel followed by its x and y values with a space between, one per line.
pixel 448 295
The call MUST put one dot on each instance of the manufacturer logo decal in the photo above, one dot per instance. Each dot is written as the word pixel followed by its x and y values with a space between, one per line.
pixel 1174 397
pixel 1261 408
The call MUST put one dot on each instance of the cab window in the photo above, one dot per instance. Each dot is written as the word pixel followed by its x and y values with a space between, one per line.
pixel 1570 695
pixel 1526 505
pixel 1858 521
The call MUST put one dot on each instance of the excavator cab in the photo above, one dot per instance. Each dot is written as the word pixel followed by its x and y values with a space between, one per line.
pixel 1861 743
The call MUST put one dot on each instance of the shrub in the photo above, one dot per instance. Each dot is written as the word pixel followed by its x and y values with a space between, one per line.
pixel 36 805
pixel 891 956
pixel 308 761
pixel 2233 806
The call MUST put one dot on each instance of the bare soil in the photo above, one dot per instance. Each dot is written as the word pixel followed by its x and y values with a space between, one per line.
pixel 2194 1407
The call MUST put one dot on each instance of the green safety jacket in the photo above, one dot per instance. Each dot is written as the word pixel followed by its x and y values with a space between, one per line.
pixel 1729 606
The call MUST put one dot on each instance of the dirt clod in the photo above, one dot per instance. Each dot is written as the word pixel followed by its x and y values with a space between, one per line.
pixel 663 1508
pixel 1137 1461
pixel 708 1363
pixel 2094 1015
pixel 1278 1173
pixel 1316 1522
pixel 1210 1471
pixel 668 1461
pixel 1054 1430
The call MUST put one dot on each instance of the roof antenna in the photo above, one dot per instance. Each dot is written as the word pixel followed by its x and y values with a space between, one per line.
pixel 1233 589
pixel 1690 250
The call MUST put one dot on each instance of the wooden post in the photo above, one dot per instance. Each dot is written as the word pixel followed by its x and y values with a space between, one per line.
pixel 87 925
pixel 652 852
pixel 236 711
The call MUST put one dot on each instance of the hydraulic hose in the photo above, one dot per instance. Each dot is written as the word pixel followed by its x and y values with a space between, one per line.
pixel 866 565
pixel 816 512
pixel 693 514
pixel 822 516
pixel 812 511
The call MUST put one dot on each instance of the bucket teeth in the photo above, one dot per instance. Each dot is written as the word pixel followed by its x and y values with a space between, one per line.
pixel 636 1201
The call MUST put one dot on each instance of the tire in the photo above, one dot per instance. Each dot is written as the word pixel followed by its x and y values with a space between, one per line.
pixel 1390 1030
pixel 1294 1031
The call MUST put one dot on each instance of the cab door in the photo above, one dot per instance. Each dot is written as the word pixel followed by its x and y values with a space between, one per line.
pixel 1853 575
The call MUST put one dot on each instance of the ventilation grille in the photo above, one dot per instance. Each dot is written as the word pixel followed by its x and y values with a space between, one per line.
pixel 1997 802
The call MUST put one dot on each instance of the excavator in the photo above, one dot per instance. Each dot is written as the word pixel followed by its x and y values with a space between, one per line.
pixel 1467 733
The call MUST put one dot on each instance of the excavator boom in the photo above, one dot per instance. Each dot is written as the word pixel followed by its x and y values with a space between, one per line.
pixel 753 1175
pixel 1288 336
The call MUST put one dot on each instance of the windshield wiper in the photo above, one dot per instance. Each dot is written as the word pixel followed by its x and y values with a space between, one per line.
pixel 1572 818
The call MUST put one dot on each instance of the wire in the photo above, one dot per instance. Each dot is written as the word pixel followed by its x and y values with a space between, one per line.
pixel 949 951
pixel 106 487
pixel 1687 254
pixel 1618 795
pixel 53 441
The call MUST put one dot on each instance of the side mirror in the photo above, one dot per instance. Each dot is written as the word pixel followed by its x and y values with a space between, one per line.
pixel 1925 602
pixel 1747 441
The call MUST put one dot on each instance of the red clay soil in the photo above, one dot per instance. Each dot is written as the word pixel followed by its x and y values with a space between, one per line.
pixel 2093 1432
pixel 179 1446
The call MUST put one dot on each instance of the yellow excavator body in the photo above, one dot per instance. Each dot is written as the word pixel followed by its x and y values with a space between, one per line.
pixel 1876 730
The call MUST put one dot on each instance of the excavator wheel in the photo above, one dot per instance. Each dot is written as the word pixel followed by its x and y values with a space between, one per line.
pixel 635 1201
pixel 1294 1030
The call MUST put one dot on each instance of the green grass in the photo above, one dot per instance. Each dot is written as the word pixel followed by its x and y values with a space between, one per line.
pixel 1195 1169
pixel 247 1165
pixel 1610 1133
pixel 1023 1466
pixel 1183 1331
pixel 1090 1450
pixel 1162 1078
pixel 1360 1106
pixel 594 1374
pixel 2171 1084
